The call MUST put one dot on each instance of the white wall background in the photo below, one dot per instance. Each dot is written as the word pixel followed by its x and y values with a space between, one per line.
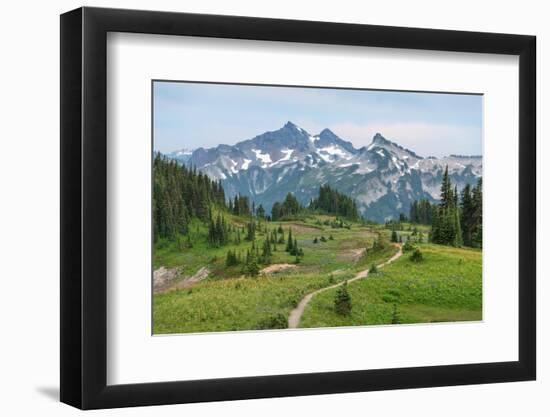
pixel 29 225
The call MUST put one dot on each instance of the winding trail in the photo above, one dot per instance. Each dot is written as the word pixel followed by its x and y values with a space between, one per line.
pixel 296 314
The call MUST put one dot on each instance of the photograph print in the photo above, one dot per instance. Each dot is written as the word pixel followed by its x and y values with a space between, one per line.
pixel 285 207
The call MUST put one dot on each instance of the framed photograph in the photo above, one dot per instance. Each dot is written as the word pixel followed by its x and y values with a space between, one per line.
pixel 257 208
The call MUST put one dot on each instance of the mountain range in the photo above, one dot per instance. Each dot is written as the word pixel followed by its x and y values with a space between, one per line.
pixel 383 177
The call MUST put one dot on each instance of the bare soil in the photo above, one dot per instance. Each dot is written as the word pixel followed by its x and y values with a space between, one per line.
pixel 273 269
pixel 165 279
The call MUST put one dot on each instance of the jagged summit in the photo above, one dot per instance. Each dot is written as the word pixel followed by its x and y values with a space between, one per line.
pixel 327 132
pixel 379 139
pixel 383 177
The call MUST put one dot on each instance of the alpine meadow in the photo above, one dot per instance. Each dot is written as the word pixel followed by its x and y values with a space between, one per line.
pixel 365 209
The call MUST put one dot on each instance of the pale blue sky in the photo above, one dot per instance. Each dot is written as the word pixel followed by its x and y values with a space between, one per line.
pixel 191 115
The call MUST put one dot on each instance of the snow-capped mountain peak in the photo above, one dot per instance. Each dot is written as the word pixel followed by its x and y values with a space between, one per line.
pixel 182 155
pixel 383 177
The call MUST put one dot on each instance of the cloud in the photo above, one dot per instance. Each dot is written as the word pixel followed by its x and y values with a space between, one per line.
pixel 423 138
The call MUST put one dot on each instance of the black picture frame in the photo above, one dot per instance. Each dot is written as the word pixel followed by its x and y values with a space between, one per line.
pixel 84 207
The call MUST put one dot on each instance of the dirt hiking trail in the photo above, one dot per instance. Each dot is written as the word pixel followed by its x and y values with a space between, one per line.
pixel 296 314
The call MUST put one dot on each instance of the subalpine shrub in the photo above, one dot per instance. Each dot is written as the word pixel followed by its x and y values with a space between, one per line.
pixel 416 256
pixel 277 321
pixel 408 246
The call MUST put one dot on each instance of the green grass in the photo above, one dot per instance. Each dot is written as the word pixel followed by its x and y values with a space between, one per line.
pixel 234 304
pixel 227 301
pixel 375 257
pixel 446 286
pixel 322 257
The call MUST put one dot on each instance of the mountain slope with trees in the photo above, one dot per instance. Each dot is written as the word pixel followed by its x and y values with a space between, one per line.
pixel 383 178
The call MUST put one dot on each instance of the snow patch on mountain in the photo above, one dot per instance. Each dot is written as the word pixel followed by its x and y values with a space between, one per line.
pixel 264 157
pixel 383 177
pixel 330 153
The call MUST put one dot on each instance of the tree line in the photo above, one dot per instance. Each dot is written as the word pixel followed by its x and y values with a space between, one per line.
pixel 179 194
pixel 421 212
pixel 457 220
pixel 288 209
pixel 331 201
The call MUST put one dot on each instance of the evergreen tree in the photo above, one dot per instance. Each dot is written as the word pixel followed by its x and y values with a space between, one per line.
pixel 218 234
pixel 288 209
pixel 266 252
pixel 467 215
pixel 458 219
pixel 446 193
pixel 231 259
pixel 477 197
pixel 342 301
pixel 294 248
pixel 416 256
pixel 331 201
pixel 290 242
pixel 251 231
pixel 458 229
pixel 179 194
pixel 252 268
pixel 260 212
pixel 241 206
pixel 395 316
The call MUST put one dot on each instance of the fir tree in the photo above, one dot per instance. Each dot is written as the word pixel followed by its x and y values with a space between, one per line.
pixel 179 194
pixel 395 316
pixel 250 231
pixel 446 193
pixel 416 256
pixel 457 229
pixel 467 215
pixel 294 250
pixel 266 252
pixel 290 242
pixel 342 301
pixel 288 209
pixel 260 212
pixel 394 236
pixel 477 197
pixel 331 201
pixel 231 259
